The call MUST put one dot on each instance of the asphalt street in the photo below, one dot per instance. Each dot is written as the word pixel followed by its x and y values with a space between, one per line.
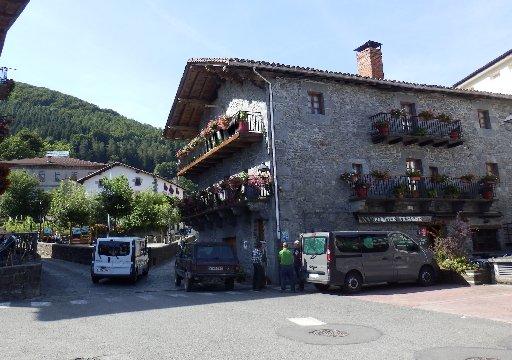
pixel 74 319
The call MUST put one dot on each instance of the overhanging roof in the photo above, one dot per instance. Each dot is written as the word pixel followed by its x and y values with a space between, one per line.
pixel 202 78
pixel 9 12
pixel 483 68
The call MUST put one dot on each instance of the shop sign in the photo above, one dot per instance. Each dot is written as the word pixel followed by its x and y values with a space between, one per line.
pixel 373 219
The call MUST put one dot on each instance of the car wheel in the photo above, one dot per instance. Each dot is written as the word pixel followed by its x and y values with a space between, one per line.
pixel 177 280
pixel 426 276
pixel 322 287
pixel 353 282
pixel 188 284
pixel 229 284
pixel 95 279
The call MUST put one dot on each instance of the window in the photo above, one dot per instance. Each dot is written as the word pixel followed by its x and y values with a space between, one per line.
pixel 374 243
pixel 414 165
pixel 434 171
pixel 314 245
pixel 483 119
pixel 316 103
pixel 74 175
pixel 404 243
pixel 348 244
pixel 357 168
pixel 138 181
pixel 410 109
pixel 485 240
pixel 41 175
pixel 57 177
pixel 492 169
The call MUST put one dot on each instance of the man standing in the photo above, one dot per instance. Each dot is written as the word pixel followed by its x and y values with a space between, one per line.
pixel 258 276
pixel 297 264
pixel 286 268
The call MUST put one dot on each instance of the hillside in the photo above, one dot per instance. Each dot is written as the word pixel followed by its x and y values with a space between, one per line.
pixel 94 134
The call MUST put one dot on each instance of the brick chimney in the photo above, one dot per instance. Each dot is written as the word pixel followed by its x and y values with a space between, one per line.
pixel 369 60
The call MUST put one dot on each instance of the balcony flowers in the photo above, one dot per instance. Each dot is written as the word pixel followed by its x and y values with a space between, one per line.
pixel 380 175
pixel 426 115
pixel 439 179
pixel 444 117
pixel 382 126
pixel 414 175
pixel 487 183
pixel 361 188
pixel 243 125
pixel 400 190
pixel 398 113
pixel 451 191
pixel 467 178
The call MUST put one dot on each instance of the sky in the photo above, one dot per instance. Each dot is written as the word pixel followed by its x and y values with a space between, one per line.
pixel 129 55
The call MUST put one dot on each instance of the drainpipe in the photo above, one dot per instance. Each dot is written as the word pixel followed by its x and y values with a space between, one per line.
pixel 274 168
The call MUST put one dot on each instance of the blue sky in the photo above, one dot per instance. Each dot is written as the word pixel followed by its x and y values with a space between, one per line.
pixel 129 55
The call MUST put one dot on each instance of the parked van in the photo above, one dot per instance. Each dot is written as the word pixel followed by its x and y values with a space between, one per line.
pixel 119 257
pixel 353 258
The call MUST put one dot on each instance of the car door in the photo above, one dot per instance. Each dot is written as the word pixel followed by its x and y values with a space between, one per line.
pixel 378 264
pixel 348 255
pixel 314 257
pixel 408 257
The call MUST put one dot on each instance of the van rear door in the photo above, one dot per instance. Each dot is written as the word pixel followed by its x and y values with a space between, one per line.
pixel 113 257
pixel 314 257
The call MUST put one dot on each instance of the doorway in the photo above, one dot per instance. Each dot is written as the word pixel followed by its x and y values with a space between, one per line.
pixel 231 241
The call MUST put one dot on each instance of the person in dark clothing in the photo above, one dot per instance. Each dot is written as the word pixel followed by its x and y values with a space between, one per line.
pixel 297 265
pixel 258 277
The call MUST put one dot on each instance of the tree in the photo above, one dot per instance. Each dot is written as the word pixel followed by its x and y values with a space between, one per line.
pixel 166 169
pixel 116 196
pixel 24 144
pixel 152 211
pixel 24 197
pixel 188 185
pixel 70 205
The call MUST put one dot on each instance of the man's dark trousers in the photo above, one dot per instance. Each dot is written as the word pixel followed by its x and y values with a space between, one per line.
pixel 258 277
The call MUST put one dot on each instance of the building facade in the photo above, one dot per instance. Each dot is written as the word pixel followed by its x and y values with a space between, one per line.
pixel 50 171
pixel 138 179
pixel 307 127
pixel 495 76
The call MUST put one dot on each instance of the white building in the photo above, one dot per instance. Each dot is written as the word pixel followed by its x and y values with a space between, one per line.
pixel 138 179
pixel 495 76
pixel 51 170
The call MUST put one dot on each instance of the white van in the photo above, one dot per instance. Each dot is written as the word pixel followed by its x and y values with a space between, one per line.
pixel 119 257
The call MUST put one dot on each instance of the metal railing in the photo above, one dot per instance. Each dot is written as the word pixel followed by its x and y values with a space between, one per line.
pixel 16 249
pixel 254 122
pixel 414 126
pixel 425 187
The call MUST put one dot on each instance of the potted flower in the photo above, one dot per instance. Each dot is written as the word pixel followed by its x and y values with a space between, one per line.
pixel 451 191
pixel 444 117
pixel 420 132
pixel 454 134
pixel 222 127
pixel 467 178
pixel 382 126
pixel 348 177
pixel 398 113
pixel 255 183
pixel 426 115
pixel 414 175
pixel 380 175
pixel 488 182
pixel 361 189
pixel 489 179
pixel 243 125
pixel 400 190
pixel 432 193
pixel 439 179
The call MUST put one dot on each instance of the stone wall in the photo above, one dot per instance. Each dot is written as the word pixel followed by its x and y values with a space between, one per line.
pixel 20 281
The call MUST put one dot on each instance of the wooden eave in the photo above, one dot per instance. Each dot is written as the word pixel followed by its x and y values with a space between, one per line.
pixel 9 12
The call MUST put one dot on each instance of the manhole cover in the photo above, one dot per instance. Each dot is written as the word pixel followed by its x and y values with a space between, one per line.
pixel 464 353
pixel 330 334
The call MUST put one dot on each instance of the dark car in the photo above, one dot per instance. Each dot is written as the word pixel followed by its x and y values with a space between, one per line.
pixel 206 263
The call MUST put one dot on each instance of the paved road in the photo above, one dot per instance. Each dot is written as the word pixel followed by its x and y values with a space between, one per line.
pixel 153 320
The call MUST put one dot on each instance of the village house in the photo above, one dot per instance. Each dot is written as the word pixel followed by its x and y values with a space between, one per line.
pixel 139 180
pixel 293 149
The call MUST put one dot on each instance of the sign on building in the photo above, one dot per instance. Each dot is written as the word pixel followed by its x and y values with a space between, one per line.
pixel 375 219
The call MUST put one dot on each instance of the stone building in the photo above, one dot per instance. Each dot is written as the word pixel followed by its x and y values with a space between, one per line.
pixel 305 128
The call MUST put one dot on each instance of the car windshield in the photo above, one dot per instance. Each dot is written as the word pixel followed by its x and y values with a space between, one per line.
pixel 114 248
pixel 314 245
pixel 214 252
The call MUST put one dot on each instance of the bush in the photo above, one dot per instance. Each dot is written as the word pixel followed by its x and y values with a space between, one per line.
pixel 451 251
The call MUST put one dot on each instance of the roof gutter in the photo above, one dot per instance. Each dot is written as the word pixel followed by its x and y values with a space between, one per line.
pixel 274 167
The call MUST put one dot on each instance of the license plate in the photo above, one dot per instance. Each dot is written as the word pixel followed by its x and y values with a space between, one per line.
pixel 102 268
pixel 215 268
pixel 313 276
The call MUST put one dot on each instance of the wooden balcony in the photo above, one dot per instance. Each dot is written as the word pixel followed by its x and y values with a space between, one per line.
pixel 222 145
pixel 412 130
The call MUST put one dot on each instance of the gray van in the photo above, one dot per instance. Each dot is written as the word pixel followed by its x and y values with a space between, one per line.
pixel 353 258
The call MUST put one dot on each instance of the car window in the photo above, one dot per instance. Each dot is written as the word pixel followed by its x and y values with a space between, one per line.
pixel 214 252
pixel 314 245
pixel 114 248
pixel 348 244
pixel 374 243
pixel 404 243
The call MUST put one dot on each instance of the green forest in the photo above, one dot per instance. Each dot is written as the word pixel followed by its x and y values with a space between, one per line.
pixel 89 132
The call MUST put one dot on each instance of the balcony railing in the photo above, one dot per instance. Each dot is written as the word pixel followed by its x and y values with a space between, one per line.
pixel 209 200
pixel 399 187
pixel 223 142
pixel 413 130
pixel 6 85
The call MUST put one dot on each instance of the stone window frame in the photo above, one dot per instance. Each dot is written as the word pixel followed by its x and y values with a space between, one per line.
pixel 316 87
pixel 492 168
pixel 316 103
pixel 485 121
pixel 348 166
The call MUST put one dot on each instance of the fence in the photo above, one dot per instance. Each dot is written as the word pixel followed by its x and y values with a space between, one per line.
pixel 16 249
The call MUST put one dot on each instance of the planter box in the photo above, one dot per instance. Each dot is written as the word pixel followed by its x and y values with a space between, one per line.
pixel 477 277
pixel 502 267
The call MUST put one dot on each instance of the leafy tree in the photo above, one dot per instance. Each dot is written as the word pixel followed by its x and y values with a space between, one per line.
pixel 24 197
pixel 166 169
pixel 188 185
pixel 152 211
pixel 116 196
pixel 24 144
pixel 70 205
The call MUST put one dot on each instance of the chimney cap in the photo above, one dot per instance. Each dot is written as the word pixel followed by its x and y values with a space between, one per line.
pixel 368 44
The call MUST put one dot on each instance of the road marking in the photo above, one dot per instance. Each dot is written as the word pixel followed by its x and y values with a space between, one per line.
pixel 234 292
pixel 178 295
pixel 307 321
pixel 207 293
pixel 146 297
pixel 5 305
pixel 112 299
pixel 78 302
pixel 40 303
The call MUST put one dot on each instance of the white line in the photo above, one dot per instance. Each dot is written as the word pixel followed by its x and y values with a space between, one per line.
pixel 307 321
pixel 78 302
pixel 206 293
pixel 146 297
pixel 5 305
pixel 178 295
pixel 112 299
pixel 40 303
